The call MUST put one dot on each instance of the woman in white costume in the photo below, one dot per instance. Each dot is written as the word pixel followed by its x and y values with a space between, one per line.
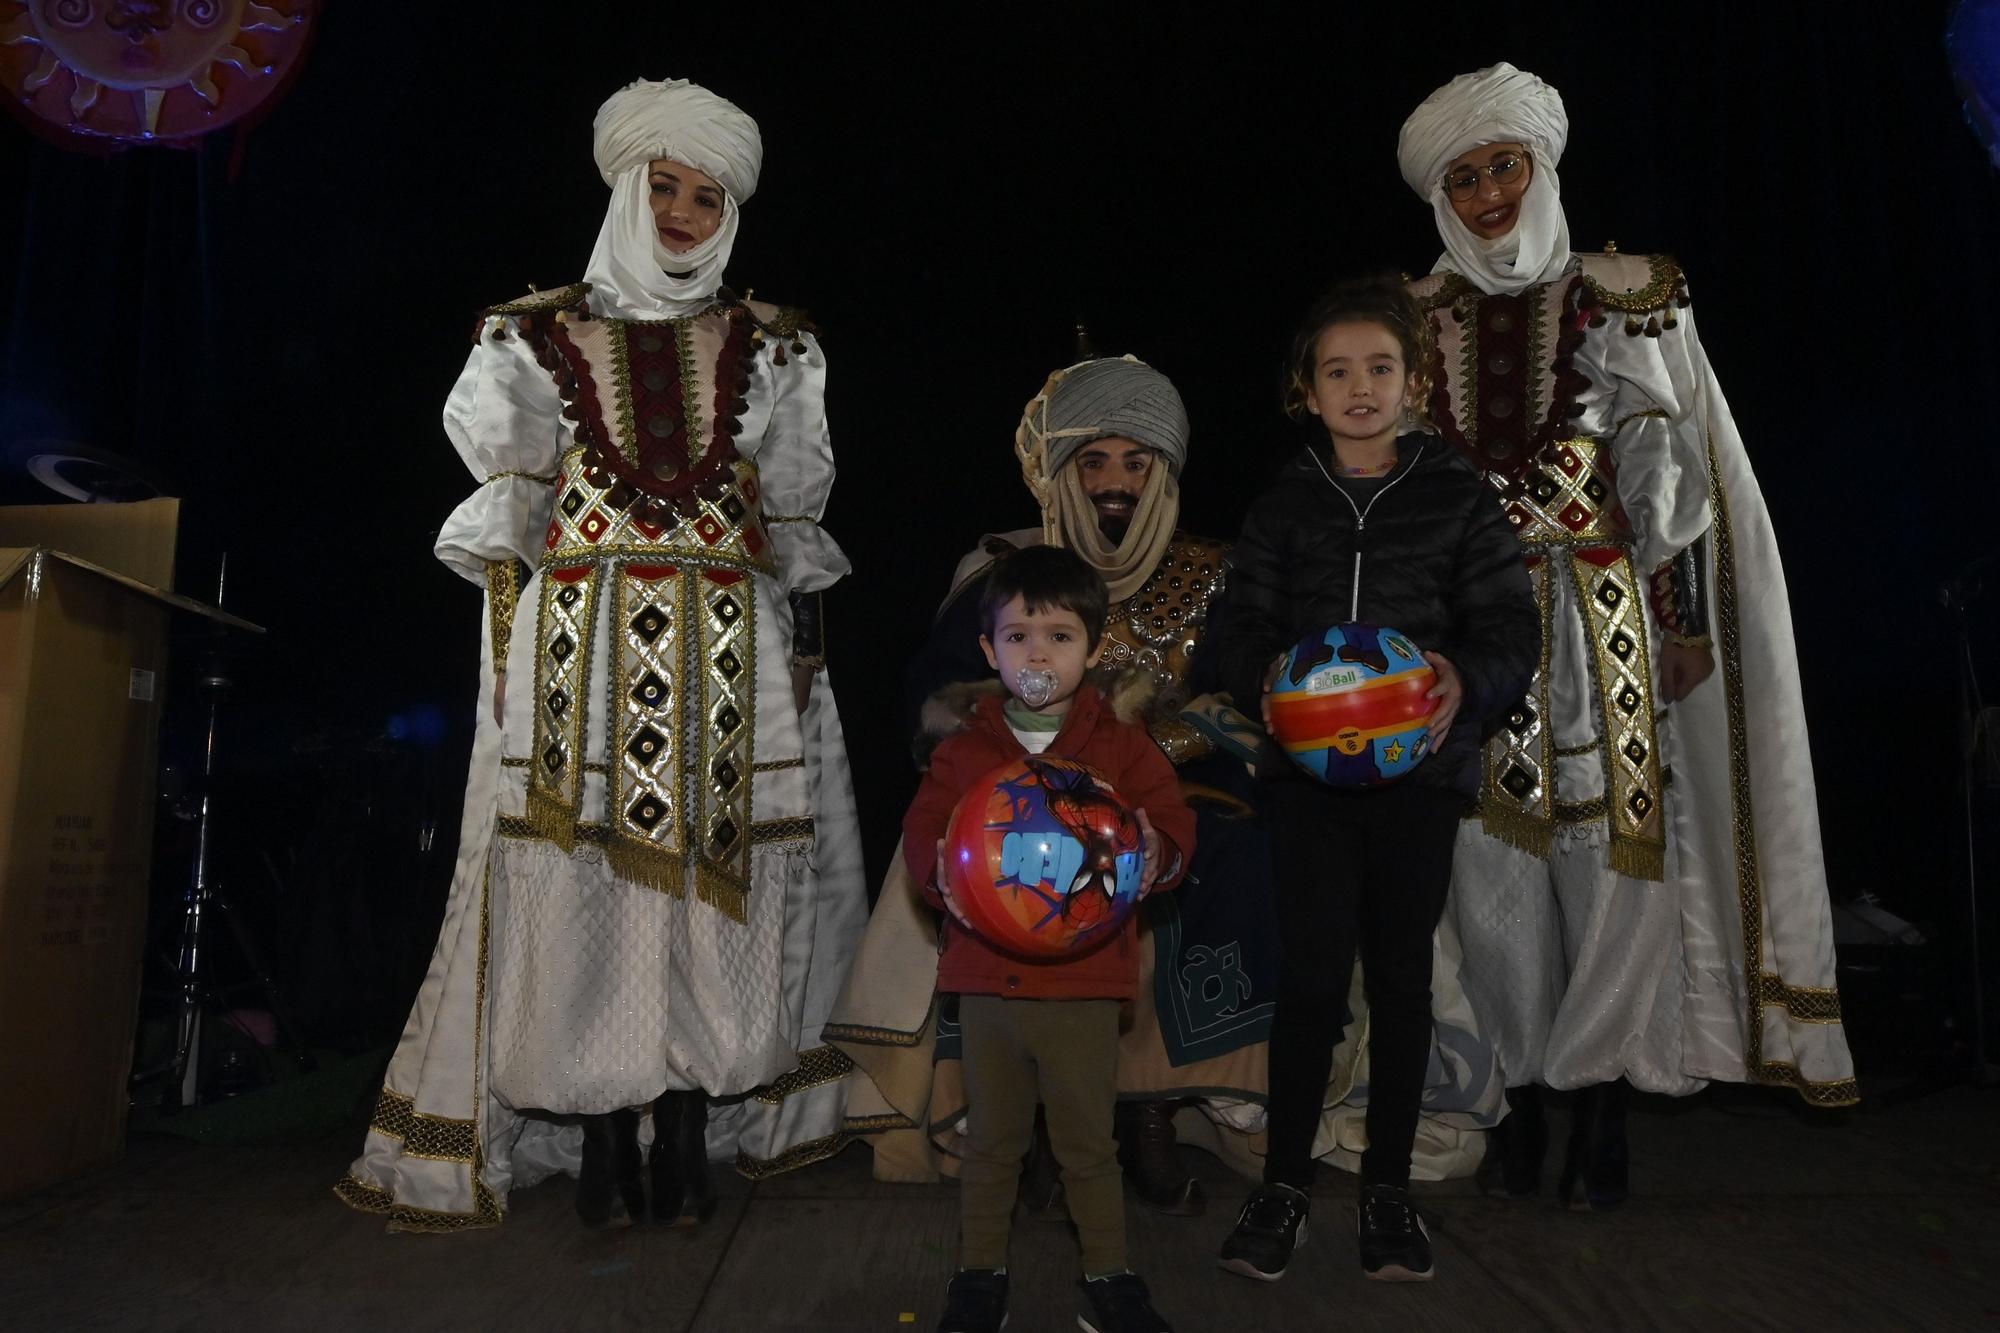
pixel 1641 897
pixel 658 883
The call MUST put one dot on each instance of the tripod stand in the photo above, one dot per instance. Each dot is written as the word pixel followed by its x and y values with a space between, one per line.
pixel 197 994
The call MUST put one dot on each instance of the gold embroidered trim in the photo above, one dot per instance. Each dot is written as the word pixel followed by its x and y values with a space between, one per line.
pixel 876 1124
pixel 776 765
pixel 516 761
pixel 1816 1004
pixel 1180 740
pixel 492 477
pixel 363 1197
pixel 535 301
pixel 770 519
pixel 1157 628
pixel 1805 1004
pixel 503 595
pixel 565 630
pixel 1833 1092
pixel 437 1138
pixel 645 726
pixel 1665 280
pixel 873 1036
pixel 1628 419
pixel 801 1154
pixel 817 1067
pixel 1621 668
pixel 601 835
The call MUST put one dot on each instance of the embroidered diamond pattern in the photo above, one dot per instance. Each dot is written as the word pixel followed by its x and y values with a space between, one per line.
pixel 649 624
pixel 645 745
pixel 650 692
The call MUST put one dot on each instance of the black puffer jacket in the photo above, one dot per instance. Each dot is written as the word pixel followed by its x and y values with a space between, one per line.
pixel 1439 562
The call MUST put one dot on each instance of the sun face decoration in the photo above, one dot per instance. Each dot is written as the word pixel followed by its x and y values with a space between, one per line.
pixel 147 70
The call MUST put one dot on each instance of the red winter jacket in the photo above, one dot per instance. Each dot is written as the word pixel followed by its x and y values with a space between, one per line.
pixel 1125 755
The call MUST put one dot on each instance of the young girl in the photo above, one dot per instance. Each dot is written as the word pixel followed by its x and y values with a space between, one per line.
pixel 1390 529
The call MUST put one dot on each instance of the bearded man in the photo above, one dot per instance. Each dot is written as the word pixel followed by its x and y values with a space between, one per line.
pixel 1101 448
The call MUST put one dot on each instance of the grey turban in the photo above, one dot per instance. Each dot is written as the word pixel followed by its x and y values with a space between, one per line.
pixel 1117 396
pixel 684 122
pixel 1491 105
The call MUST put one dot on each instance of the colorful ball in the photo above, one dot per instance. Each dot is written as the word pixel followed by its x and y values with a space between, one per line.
pixel 1042 858
pixel 1351 706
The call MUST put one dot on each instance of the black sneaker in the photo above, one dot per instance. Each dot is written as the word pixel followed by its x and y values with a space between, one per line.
pixel 1271 1225
pixel 1394 1245
pixel 1119 1304
pixel 975 1302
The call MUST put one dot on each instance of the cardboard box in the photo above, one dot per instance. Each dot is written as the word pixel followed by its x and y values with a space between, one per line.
pixel 82 674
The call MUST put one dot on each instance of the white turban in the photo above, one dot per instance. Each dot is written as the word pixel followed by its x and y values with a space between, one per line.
pixel 630 270
pixel 1497 104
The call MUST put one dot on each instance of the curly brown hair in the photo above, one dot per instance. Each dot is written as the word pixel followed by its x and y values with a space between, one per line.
pixel 1376 298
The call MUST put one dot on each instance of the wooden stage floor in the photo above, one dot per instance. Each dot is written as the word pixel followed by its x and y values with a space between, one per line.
pixel 1743 1216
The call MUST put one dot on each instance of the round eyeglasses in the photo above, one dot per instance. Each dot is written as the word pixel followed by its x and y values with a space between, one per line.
pixel 1505 168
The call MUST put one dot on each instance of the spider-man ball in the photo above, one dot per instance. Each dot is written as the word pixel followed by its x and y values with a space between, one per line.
pixel 1042 858
pixel 1352 706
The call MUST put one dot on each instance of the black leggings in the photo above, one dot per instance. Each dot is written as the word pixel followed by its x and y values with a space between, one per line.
pixel 1372 868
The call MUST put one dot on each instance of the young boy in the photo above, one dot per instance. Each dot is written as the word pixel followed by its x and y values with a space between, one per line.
pixel 1044 1030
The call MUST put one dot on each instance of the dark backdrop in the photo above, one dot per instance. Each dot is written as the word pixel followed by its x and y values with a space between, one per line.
pixel 948 198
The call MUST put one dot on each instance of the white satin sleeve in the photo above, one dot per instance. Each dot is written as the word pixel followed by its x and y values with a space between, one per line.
pixel 795 468
pixel 1656 437
pixel 505 419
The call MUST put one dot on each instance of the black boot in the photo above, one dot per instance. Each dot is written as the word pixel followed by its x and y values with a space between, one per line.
pixel 608 1190
pixel 1147 1150
pixel 669 1186
pixel 1595 1164
pixel 691 1138
pixel 1606 1183
pixel 1513 1161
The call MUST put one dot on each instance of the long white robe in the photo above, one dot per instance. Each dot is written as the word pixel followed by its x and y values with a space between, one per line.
pixel 555 986
pixel 1723 969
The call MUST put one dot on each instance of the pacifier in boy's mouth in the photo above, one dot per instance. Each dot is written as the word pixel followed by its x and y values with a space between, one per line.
pixel 1035 687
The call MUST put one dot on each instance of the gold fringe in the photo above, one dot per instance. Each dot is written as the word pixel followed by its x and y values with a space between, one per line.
pixel 644 864
pixel 549 819
pixel 1528 833
pixel 1636 858
pixel 722 891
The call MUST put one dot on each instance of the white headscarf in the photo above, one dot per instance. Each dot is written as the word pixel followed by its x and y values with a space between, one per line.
pixel 630 271
pixel 1497 104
